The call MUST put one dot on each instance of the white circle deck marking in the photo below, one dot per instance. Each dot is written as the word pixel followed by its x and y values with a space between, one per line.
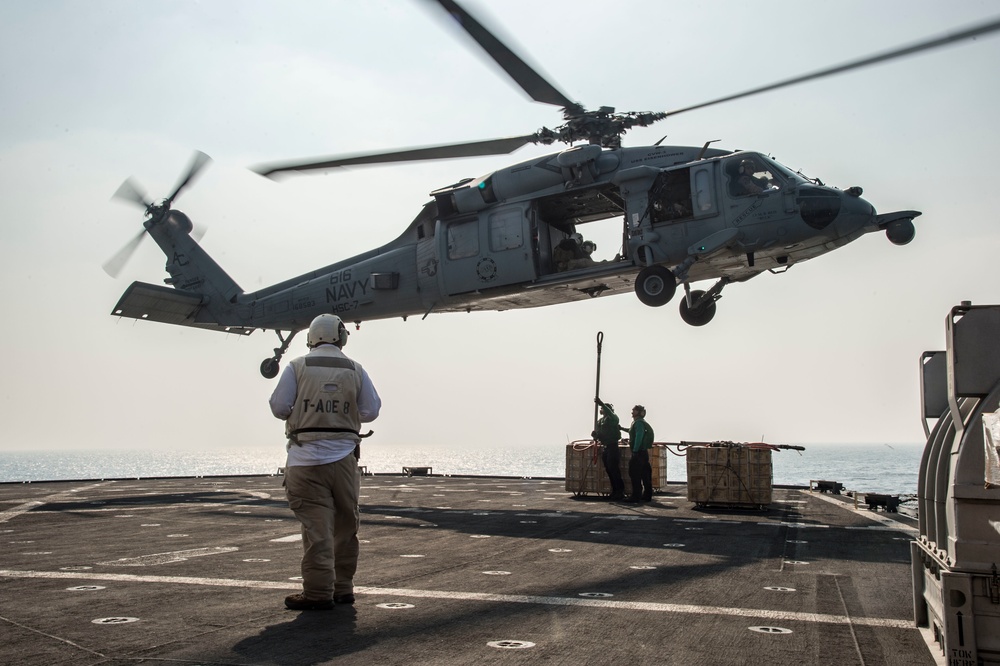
pixel 497 573
pixel 114 620
pixel 596 595
pixel 560 550
pixel 395 605
pixel 480 536
pixel 795 562
pixel 771 630
pixel 413 556
pixel 642 567
pixel 85 588
pixel 673 545
pixel 511 645
pixel 256 559
pixel 776 588
pixel 76 568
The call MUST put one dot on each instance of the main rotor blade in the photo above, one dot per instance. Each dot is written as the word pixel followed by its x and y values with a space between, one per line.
pixel 444 151
pixel 115 264
pixel 936 42
pixel 129 191
pixel 530 81
pixel 198 162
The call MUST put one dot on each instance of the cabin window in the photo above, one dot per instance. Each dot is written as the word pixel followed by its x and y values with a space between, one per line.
pixel 703 190
pixel 463 240
pixel 506 230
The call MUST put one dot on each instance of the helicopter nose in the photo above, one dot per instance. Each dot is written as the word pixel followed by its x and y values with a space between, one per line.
pixel 856 214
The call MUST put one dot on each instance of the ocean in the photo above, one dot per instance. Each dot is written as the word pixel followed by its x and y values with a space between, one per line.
pixel 876 468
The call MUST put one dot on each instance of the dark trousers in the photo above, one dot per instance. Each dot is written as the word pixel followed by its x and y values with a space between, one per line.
pixel 612 465
pixel 641 474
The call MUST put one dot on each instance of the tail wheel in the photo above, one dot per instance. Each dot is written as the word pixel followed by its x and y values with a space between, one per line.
pixel 698 316
pixel 655 286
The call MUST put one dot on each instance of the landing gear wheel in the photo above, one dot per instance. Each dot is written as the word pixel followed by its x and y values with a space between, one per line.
pixel 697 316
pixel 655 286
pixel 269 368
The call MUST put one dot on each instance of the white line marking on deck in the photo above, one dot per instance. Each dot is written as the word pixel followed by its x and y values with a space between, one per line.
pixel 167 558
pixel 7 514
pixel 787 616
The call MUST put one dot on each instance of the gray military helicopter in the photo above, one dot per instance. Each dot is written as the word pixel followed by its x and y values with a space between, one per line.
pixel 514 238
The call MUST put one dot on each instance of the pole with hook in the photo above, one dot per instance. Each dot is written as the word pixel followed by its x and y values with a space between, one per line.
pixel 597 391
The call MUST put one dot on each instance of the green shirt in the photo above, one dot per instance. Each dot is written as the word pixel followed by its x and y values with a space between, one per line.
pixel 640 436
pixel 607 428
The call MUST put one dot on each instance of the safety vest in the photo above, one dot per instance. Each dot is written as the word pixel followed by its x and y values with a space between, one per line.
pixel 326 399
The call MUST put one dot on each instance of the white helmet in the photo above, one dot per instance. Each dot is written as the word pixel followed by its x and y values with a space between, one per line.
pixel 327 328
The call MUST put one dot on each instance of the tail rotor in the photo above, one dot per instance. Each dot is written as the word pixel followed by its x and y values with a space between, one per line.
pixel 156 213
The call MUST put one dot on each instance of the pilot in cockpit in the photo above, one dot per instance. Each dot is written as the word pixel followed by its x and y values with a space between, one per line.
pixel 749 181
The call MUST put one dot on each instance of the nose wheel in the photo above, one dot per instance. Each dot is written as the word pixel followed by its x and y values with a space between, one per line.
pixel 698 307
pixel 269 366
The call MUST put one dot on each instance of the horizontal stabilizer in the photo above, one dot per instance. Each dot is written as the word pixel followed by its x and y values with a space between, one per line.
pixel 152 302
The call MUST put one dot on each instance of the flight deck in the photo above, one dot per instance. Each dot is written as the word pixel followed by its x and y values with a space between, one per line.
pixel 453 570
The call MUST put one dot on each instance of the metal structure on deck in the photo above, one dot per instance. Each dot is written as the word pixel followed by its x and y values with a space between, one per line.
pixel 956 585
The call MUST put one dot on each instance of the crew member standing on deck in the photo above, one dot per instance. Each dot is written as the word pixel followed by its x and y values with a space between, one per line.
pixel 607 433
pixel 324 397
pixel 640 436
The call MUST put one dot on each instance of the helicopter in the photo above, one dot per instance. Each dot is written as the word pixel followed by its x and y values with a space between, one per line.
pixel 515 238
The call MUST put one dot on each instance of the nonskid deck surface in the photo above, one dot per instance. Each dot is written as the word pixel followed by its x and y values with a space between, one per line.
pixel 452 571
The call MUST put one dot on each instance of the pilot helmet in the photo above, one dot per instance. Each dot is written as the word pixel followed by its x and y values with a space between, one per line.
pixel 578 238
pixel 748 165
pixel 329 329
pixel 589 246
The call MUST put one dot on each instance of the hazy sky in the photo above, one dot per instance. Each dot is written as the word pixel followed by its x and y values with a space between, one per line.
pixel 828 352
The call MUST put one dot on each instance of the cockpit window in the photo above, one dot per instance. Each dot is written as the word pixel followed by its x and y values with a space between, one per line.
pixel 750 175
pixel 783 170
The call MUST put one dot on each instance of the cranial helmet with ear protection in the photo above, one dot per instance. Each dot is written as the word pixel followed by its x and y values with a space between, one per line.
pixel 327 328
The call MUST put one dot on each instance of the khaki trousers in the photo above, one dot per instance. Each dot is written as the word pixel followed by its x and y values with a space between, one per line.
pixel 324 498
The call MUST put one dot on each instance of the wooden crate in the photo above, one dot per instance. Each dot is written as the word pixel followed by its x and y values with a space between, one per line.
pixel 730 475
pixel 585 473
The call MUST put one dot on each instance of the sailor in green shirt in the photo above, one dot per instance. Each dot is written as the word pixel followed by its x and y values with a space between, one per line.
pixel 640 436
pixel 608 434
